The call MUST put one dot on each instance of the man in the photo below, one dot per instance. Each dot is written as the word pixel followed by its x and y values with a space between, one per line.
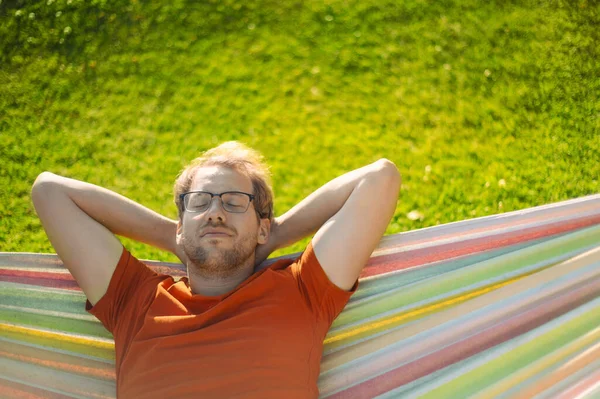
pixel 231 328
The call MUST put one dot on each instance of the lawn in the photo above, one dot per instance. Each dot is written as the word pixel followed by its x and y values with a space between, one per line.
pixel 485 107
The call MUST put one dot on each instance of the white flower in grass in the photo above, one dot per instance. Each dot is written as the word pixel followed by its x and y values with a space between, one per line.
pixel 67 30
pixel 18 13
pixel 415 215
pixel 58 14
pixel 31 15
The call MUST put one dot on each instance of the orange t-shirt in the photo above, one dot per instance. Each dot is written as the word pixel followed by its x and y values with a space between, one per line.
pixel 262 340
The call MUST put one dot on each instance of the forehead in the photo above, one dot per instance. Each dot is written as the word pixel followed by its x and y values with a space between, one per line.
pixel 218 179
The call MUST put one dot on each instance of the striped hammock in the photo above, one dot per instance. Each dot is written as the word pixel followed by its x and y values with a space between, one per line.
pixel 504 306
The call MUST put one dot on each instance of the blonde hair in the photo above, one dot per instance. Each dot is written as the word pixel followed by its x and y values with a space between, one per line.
pixel 239 157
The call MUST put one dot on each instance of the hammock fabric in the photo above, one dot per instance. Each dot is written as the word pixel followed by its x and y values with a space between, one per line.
pixel 504 306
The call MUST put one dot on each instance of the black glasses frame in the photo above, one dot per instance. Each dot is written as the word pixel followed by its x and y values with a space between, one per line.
pixel 212 195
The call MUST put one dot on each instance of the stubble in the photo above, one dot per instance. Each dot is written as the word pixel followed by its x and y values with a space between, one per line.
pixel 214 261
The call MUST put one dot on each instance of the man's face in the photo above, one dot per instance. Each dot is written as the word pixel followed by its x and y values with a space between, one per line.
pixel 219 255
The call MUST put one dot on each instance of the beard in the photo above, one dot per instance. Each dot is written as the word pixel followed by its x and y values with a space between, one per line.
pixel 215 262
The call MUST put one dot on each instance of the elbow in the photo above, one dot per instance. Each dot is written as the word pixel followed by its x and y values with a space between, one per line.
pixel 388 170
pixel 43 180
pixel 42 184
pixel 43 177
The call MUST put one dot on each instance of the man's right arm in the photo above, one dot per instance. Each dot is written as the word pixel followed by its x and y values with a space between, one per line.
pixel 81 221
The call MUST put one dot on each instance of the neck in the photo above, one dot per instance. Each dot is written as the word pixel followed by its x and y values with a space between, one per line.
pixel 209 284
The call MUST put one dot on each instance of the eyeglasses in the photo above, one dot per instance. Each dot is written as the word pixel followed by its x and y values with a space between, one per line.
pixel 232 201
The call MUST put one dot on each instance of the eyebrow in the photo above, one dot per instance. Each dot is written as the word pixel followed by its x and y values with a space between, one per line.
pixel 218 192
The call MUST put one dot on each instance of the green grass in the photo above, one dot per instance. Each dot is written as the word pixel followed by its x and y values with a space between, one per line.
pixel 486 107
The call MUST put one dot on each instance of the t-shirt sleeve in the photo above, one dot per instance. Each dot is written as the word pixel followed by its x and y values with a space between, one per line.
pixel 131 281
pixel 325 298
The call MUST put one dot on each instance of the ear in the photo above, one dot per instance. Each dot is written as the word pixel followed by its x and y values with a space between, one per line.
pixel 264 231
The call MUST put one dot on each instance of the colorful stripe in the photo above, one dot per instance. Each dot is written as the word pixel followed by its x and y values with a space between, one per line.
pixel 504 306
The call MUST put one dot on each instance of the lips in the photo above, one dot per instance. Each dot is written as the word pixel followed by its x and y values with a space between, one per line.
pixel 216 233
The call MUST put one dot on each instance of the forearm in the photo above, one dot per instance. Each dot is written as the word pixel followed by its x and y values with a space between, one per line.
pixel 310 214
pixel 117 213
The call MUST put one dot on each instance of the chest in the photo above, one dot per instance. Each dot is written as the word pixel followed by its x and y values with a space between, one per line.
pixel 269 308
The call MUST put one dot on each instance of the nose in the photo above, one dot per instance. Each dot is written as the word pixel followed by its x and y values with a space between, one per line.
pixel 215 210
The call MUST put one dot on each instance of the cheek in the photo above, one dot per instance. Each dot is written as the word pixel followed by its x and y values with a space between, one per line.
pixel 190 228
pixel 251 228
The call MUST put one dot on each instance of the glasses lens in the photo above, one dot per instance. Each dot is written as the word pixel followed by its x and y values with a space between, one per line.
pixel 235 202
pixel 197 202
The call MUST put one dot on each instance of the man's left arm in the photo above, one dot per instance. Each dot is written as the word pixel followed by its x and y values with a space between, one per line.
pixel 351 213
